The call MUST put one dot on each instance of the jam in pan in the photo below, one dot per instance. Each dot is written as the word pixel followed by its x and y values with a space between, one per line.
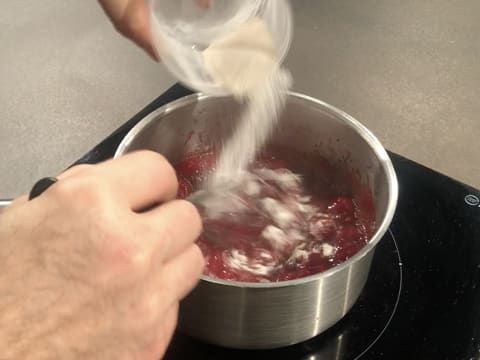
pixel 301 216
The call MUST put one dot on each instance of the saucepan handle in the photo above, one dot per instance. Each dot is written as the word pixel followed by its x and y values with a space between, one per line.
pixel 4 203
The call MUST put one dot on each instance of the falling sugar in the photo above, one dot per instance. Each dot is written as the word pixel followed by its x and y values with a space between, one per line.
pixel 245 62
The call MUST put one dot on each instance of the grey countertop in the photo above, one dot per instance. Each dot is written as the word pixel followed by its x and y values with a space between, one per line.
pixel 409 70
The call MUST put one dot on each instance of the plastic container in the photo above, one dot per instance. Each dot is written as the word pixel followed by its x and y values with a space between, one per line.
pixel 182 29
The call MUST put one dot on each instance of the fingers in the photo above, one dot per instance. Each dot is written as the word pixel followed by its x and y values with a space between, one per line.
pixel 180 275
pixel 173 227
pixel 167 323
pixel 204 4
pixel 139 179
pixel 131 18
pixel 135 25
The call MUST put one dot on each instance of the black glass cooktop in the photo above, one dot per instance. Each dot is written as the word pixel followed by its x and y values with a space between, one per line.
pixel 422 298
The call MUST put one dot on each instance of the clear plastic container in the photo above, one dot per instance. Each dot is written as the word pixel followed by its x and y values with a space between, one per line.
pixel 182 29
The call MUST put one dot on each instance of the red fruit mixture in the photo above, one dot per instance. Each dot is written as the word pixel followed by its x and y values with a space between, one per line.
pixel 320 220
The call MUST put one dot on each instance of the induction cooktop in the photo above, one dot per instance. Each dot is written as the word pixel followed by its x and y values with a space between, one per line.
pixel 422 297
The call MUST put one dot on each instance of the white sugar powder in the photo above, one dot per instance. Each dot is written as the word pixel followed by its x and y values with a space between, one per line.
pixel 246 63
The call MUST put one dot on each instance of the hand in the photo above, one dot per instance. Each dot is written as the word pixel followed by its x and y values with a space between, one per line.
pixel 85 275
pixel 131 19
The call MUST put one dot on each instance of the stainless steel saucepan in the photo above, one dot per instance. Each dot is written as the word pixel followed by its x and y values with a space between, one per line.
pixel 269 315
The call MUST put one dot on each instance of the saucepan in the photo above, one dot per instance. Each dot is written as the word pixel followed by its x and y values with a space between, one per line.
pixel 269 315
